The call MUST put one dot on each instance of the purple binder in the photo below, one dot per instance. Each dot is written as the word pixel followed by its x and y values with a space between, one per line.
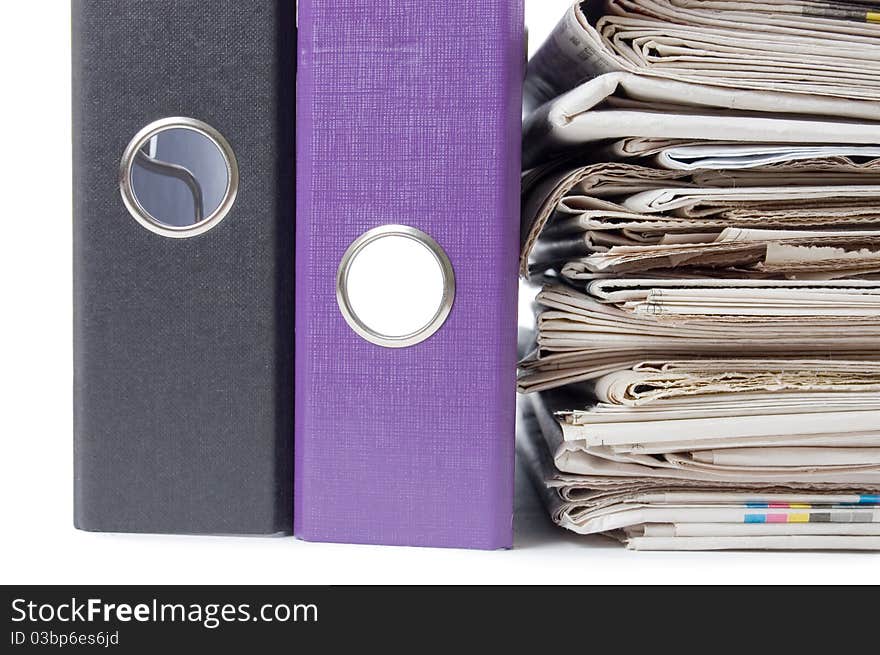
pixel 408 113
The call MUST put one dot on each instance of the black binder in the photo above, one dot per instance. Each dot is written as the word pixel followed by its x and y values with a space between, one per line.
pixel 183 288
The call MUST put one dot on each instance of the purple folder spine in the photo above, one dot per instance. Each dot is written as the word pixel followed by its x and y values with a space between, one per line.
pixel 408 112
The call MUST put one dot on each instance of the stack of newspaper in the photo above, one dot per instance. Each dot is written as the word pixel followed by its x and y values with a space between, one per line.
pixel 702 206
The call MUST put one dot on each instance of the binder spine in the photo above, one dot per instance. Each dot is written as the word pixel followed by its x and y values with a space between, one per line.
pixel 412 118
pixel 183 380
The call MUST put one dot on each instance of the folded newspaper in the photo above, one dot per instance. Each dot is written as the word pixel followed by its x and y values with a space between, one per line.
pixel 660 502
pixel 701 203
pixel 823 48
pixel 624 217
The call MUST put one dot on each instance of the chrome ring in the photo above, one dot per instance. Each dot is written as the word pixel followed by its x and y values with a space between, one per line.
pixel 446 303
pixel 141 215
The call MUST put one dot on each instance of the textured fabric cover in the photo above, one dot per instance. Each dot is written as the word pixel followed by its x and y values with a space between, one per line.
pixel 183 348
pixel 408 112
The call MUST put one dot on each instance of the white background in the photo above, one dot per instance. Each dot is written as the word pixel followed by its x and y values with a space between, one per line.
pixel 39 544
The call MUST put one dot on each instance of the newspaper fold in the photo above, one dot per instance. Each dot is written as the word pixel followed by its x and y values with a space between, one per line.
pixel 589 114
pixel 680 509
pixel 666 213
pixel 793 47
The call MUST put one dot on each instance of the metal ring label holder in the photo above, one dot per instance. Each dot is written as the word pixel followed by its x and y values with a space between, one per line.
pixel 135 153
pixel 444 303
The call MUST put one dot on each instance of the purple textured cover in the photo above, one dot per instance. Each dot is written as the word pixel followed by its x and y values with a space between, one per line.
pixel 408 112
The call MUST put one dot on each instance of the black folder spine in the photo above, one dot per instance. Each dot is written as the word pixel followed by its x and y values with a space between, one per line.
pixel 183 347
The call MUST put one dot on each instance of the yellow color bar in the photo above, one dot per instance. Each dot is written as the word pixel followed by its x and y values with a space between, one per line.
pixel 873 17
pixel 798 518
